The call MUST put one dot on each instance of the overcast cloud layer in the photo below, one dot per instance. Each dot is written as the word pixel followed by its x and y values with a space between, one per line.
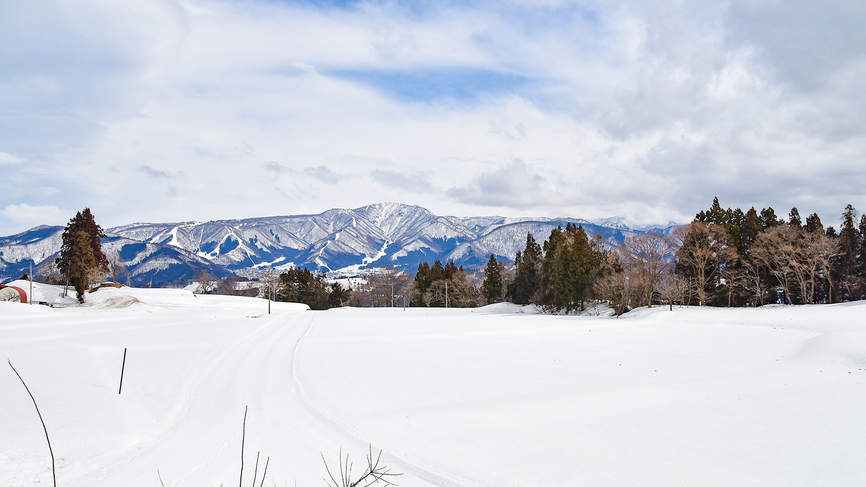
pixel 163 110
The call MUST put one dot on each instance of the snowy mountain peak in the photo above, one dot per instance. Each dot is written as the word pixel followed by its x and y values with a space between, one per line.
pixel 379 234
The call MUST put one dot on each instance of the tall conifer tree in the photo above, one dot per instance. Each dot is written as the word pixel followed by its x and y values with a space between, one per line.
pixel 528 278
pixel 81 251
pixel 491 288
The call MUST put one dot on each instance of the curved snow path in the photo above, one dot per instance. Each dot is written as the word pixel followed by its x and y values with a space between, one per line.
pixel 180 416
pixel 399 461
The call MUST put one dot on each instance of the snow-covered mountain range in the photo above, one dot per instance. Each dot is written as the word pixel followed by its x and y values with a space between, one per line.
pixel 382 234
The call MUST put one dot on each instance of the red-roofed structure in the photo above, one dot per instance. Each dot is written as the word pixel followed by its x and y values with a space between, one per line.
pixel 12 293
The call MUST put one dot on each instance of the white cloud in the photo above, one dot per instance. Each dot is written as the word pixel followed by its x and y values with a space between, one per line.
pixel 9 159
pixel 25 216
pixel 239 109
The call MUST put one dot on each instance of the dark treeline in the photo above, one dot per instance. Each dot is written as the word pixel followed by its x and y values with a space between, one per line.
pixel 440 286
pixel 311 288
pixel 557 275
pixel 736 258
pixel 723 258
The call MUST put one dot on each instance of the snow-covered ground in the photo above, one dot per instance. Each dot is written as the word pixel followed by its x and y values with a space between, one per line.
pixel 459 397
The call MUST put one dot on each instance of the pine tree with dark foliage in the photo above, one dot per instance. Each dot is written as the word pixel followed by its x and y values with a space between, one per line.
pixel 302 286
pixel 528 275
pixel 849 243
pixel 861 260
pixel 813 224
pixel 769 219
pixel 81 251
pixel 423 281
pixel 437 271
pixel 338 295
pixel 751 228
pixel 491 288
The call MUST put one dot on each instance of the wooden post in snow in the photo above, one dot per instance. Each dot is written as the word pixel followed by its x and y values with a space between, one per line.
pixel 122 367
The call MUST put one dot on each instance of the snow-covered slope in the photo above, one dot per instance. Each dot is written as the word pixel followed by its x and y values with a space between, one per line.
pixel 383 234
pixel 454 397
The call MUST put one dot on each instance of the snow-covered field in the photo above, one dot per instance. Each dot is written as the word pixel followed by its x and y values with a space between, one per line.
pixel 486 397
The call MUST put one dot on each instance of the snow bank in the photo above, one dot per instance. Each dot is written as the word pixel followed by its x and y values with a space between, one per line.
pixel 45 293
pixel 456 397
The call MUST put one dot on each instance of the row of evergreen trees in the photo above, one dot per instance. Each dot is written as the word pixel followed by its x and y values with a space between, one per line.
pixel 558 275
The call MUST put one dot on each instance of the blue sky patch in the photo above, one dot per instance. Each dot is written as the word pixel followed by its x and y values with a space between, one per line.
pixel 459 84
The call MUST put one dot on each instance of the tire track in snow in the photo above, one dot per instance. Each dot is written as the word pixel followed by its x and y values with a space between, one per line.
pixel 393 457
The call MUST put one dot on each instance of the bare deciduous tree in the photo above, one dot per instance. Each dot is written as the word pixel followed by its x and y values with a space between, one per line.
pixel 704 251
pixel 116 266
pixel 206 281
pixel 672 287
pixel 387 286
pixel 269 277
pixel 95 275
pixel 643 257
pixel 614 288
pixel 777 250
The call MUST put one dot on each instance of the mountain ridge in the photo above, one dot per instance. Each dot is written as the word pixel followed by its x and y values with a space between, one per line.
pixel 375 235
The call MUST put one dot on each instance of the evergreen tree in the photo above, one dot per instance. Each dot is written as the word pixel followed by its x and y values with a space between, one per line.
pixel 548 266
pixel 794 218
pixel 491 288
pixel 567 269
pixel 423 280
pixel 849 260
pixel 580 268
pixel 81 251
pixel 849 240
pixel 528 276
pixel 714 215
pixel 302 286
pixel 437 272
pixel 511 288
pixel 752 227
pixel 450 270
pixel 861 261
pixel 736 223
pixel 338 295
pixel 769 219
pixel 81 260
pixel 813 224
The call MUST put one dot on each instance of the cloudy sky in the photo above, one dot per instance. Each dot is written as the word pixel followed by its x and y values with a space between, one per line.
pixel 165 110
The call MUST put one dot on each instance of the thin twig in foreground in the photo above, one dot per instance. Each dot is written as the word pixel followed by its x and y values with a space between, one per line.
pixel 373 474
pixel 53 471
pixel 265 473
pixel 256 471
pixel 243 435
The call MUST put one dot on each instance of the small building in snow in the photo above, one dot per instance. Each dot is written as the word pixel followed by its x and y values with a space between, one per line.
pixel 13 294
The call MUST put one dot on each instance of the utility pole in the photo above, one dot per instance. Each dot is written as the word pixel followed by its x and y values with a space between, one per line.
pixel 392 294
pixel 446 294
pixel 31 284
